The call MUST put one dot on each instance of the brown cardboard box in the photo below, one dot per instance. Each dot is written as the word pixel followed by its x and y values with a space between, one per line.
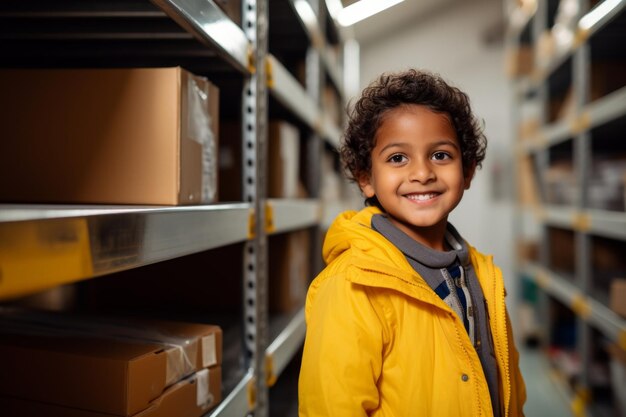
pixel 191 397
pixel 561 247
pixel 112 136
pixel 284 160
pixel 100 367
pixel 617 301
pixel 289 272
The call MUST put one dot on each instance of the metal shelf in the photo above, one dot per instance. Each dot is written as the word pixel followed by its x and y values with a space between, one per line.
pixel 288 91
pixel 587 26
pixel 239 402
pixel 559 216
pixel 590 310
pixel 46 246
pixel 610 224
pixel 519 18
pixel 607 108
pixel 205 20
pixel 310 23
pixel 283 215
pixel 607 223
pixel 600 16
pixel 594 114
pixel 285 345
pixel 195 34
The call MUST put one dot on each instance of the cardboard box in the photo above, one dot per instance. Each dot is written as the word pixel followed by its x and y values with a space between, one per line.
pixel 284 160
pixel 108 136
pixel 102 367
pixel 562 250
pixel 289 270
pixel 617 296
pixel 191 397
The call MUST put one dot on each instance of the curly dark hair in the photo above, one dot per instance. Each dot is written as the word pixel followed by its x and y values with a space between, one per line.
pixel 392 90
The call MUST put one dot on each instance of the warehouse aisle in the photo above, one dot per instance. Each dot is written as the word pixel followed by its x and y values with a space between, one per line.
pixel 544 398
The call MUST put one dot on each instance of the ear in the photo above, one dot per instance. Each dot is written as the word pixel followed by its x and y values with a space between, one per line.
pixel 469 175
pixel 365 185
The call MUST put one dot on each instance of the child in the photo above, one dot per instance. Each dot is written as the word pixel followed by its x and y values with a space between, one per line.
pixel 407 319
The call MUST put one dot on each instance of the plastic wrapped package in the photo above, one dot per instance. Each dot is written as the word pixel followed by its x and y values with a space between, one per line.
pixel 106 365
pixel 202 128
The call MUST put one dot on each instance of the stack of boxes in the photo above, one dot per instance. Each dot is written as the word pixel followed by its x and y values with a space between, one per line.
pixel 61 365
pixel 140 136
pixel 137 136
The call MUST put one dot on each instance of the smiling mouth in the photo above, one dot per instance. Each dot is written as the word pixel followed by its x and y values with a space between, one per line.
pixel 422 197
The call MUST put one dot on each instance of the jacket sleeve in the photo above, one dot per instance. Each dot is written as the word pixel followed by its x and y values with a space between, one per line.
pixel 518 387
pixel 342 355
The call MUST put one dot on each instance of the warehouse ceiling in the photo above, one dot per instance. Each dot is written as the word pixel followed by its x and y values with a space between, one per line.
pixel 404 14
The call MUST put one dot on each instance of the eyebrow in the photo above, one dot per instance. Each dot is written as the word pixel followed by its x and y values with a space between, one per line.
pixel 442 142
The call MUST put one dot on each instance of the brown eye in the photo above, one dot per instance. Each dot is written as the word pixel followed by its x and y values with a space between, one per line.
pixel 441 156
pixel 397 158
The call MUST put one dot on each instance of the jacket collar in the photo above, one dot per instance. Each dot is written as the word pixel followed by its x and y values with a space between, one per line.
pixel 378 263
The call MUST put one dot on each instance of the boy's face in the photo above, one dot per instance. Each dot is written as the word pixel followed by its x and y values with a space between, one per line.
pixel 417 172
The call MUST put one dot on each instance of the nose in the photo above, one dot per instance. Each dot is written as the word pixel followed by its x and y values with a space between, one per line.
pixel 421 171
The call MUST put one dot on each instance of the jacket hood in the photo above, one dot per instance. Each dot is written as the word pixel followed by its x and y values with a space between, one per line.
pixel 352 232
pixel 350 229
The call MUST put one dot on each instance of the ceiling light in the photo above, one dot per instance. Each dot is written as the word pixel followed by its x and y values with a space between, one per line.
pixel 362 10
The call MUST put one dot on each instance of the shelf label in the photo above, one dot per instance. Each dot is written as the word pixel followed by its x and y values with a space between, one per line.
pixel 270 226
pixel 270 376
pixel 251 224
pixel 621 339
pixel 581 307
pixel 580 37
pixel 580 123
pixel 251 60
pixel 581 222
pixel 269 74
pixel 580 401
pixel 251 394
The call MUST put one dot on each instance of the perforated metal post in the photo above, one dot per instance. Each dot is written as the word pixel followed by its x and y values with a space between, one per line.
pixel 254 136
pixel 582 165
pixel 314 144
pixel 542 163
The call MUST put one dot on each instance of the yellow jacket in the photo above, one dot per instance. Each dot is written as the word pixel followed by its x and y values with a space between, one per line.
pixel 380 342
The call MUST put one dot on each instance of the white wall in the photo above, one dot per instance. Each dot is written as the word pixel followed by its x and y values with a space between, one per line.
pixel 451 42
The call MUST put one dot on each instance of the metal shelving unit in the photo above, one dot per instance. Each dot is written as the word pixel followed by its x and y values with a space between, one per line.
pixel 566 37
pixel 199 36
pixel 587 308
